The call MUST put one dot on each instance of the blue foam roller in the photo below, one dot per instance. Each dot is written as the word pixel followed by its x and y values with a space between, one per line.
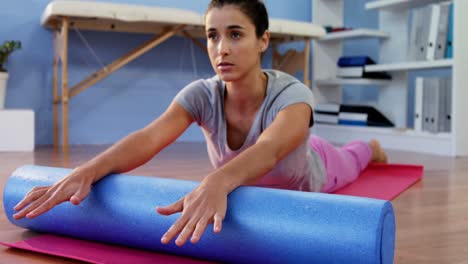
pixel 261 226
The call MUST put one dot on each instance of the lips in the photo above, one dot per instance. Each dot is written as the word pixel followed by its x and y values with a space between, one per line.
pixel 225 66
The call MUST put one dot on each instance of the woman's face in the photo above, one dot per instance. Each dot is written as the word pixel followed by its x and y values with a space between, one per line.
pixel 233 46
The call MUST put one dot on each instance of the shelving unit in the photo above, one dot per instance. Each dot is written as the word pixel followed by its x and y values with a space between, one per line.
pixel 354 34
pixel 349 81
pixel 406 66
pixel 393 33
pixel 398 4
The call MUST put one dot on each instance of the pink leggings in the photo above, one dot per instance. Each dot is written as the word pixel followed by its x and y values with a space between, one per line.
pixel 343 165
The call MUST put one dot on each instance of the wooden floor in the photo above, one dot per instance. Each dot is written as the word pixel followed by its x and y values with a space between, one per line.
pixel 431 223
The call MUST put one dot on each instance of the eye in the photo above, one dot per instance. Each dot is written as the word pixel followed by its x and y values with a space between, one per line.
pixel 235 35
pixel 212 36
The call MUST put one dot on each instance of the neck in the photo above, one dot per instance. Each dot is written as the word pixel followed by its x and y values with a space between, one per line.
pixel 247 94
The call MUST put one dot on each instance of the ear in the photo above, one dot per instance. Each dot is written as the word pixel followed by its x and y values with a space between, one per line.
pixel 265 41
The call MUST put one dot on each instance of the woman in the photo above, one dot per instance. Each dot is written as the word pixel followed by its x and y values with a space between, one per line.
pixel 256 124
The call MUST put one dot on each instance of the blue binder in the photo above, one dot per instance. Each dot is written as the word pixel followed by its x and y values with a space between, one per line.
pixel 449 47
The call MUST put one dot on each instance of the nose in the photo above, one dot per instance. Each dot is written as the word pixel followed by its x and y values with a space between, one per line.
pixel 223 47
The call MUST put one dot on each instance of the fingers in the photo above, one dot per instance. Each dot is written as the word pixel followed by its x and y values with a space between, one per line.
pixel 194 227
pixel 199 208
pixel 174 230
pixel 199 230
pixel 41 199
pixel 32 206
pixel 186 232
pixel 218 222
pixel 80 195
pixel 45 206
pixel 171 209
pixel 35 193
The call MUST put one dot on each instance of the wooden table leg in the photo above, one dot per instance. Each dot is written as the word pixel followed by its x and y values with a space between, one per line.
pixel 64 57
pixel 307 62
pixel 55 98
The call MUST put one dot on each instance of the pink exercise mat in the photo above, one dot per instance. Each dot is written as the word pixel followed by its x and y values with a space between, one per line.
pixel 383 181
pixel 94 252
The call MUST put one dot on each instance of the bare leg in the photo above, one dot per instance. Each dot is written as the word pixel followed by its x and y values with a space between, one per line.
pixel 378 154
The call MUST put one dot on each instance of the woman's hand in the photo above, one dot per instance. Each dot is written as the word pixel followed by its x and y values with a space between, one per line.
pixel 75 187
pixel 205 205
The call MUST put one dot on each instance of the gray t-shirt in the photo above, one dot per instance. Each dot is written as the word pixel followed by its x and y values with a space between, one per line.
pixel 302 169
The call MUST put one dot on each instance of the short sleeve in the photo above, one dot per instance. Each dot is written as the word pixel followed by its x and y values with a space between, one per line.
pixel 195 99
pixel 293 94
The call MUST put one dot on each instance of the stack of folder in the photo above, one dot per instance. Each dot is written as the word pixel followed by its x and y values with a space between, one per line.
pixel 326 113
pixel 353 119
pixel 343 114
pixel 354 67
pixel 431 32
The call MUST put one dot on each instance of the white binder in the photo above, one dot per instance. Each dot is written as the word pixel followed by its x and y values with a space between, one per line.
pixel 431 105
pixel 438 31
pixel 418 104
pixel 448 105
pixel 433 28
pixel 419 35
pixel 441 101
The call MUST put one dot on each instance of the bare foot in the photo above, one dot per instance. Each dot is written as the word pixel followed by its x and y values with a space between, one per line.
pixel 378 154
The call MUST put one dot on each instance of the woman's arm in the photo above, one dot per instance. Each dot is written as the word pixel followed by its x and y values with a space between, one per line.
pixel 127 154
pixel 141 146
pixel 208 202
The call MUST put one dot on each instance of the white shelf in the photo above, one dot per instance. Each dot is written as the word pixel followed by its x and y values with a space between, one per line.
pixel 405 66
pixel 350 81
pixel 354 34
pixel 398 3
pixel 390 138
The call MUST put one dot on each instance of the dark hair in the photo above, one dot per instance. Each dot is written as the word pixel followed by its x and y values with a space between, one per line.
pixel 255 10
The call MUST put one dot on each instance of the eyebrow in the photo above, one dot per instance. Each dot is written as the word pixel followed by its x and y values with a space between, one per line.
pixel 229 27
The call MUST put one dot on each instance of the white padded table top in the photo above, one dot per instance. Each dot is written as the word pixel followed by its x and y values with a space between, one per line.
pixel 150 19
